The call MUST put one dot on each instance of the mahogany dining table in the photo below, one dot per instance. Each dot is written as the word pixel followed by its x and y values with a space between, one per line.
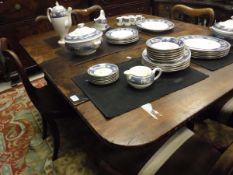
pixel 136 127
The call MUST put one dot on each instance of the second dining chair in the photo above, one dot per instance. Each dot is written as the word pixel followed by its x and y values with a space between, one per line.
pixel 48 101
pixel 203 16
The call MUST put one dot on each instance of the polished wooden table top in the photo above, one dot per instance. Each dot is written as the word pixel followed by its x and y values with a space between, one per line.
pixel 136 127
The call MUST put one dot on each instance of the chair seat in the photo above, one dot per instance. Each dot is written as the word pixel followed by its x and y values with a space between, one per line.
pixel 52 102
pixel 195 157
pixel 219 135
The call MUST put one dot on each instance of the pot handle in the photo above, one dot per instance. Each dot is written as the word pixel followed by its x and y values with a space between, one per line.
pixel 48 13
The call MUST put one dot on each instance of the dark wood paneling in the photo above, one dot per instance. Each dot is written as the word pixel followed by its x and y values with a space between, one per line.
pixel 17 21
pixel 120 7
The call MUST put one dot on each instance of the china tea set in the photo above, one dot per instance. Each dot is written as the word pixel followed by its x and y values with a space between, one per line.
pixel 138 77
pixel 163 54
pixel 88 38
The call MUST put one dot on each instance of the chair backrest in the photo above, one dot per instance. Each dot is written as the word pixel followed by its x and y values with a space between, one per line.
pixel 77 16
pixel 30 89
pixel 203 16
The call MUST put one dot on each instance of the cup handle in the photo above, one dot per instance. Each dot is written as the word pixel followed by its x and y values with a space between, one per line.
pixel 159 72
pixel 48 13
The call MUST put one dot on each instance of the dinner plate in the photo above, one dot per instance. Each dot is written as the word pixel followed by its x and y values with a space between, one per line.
pixel 168 66
pixel 155 25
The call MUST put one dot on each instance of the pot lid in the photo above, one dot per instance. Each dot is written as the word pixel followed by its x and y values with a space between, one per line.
pixel 82 33
pixel 58 11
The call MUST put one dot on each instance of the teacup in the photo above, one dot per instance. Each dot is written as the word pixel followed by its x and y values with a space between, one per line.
pixel 141 77
pixel 126 20
pixel 132 19
pixel 119 21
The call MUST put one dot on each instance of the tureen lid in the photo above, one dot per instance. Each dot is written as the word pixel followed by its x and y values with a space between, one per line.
pixel 82 33
pixel 225 25
pixel 58 11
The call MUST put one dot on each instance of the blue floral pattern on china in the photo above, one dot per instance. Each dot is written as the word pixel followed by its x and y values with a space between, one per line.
pixel 114 68
pixel 58 14
pixel 109 33
pixel 170 25
pixel 141 80
pixel 83 37
pixel 224 45
pixel 152 41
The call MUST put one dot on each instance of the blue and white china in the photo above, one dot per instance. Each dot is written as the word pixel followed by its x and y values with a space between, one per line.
pixel 155 25
pixel 84 40
pixel 141 77
pixel 128 20
pixel 225 25
pixel 224 29
pixel 206 47
pixel 119 20
pixel 165 44
pixel 122 35
pixel 103 74
pixel 61 20
pixel 101 22
pixel 167 65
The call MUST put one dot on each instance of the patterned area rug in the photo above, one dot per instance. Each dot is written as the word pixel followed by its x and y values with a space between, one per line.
pixel 24 152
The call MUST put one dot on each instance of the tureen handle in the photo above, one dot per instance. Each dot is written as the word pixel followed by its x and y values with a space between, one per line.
pixel 159 72
pixel 48 13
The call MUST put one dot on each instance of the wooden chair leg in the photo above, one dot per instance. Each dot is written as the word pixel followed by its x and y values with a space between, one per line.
pixel 56 137
pixel 44 128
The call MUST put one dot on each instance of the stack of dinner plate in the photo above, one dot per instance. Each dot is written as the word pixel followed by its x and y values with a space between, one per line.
pixel 167 53
pixel 206 47
pixel 122 35
pixel 103 74
pixel 223 29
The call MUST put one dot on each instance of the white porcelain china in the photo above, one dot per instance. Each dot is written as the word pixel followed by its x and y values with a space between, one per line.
pixel 206 46
pixel 119 21
pixel 164 49
pixel 122 35
pixel 101 22
pixel 223 29
pixel 128 20
pixel 141 77
pixel 164 44
pixel 103 74
pixel 167 65
pixel 61 20
pixel 84 40
pixel 155 25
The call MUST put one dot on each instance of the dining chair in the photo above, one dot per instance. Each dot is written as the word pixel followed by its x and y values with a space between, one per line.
pixel 47 100
pixel 183 153
pixel 203 16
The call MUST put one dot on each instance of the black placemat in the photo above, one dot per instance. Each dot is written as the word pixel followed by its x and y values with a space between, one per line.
pixel 70 58
pixel 119 97
pixel 215 64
